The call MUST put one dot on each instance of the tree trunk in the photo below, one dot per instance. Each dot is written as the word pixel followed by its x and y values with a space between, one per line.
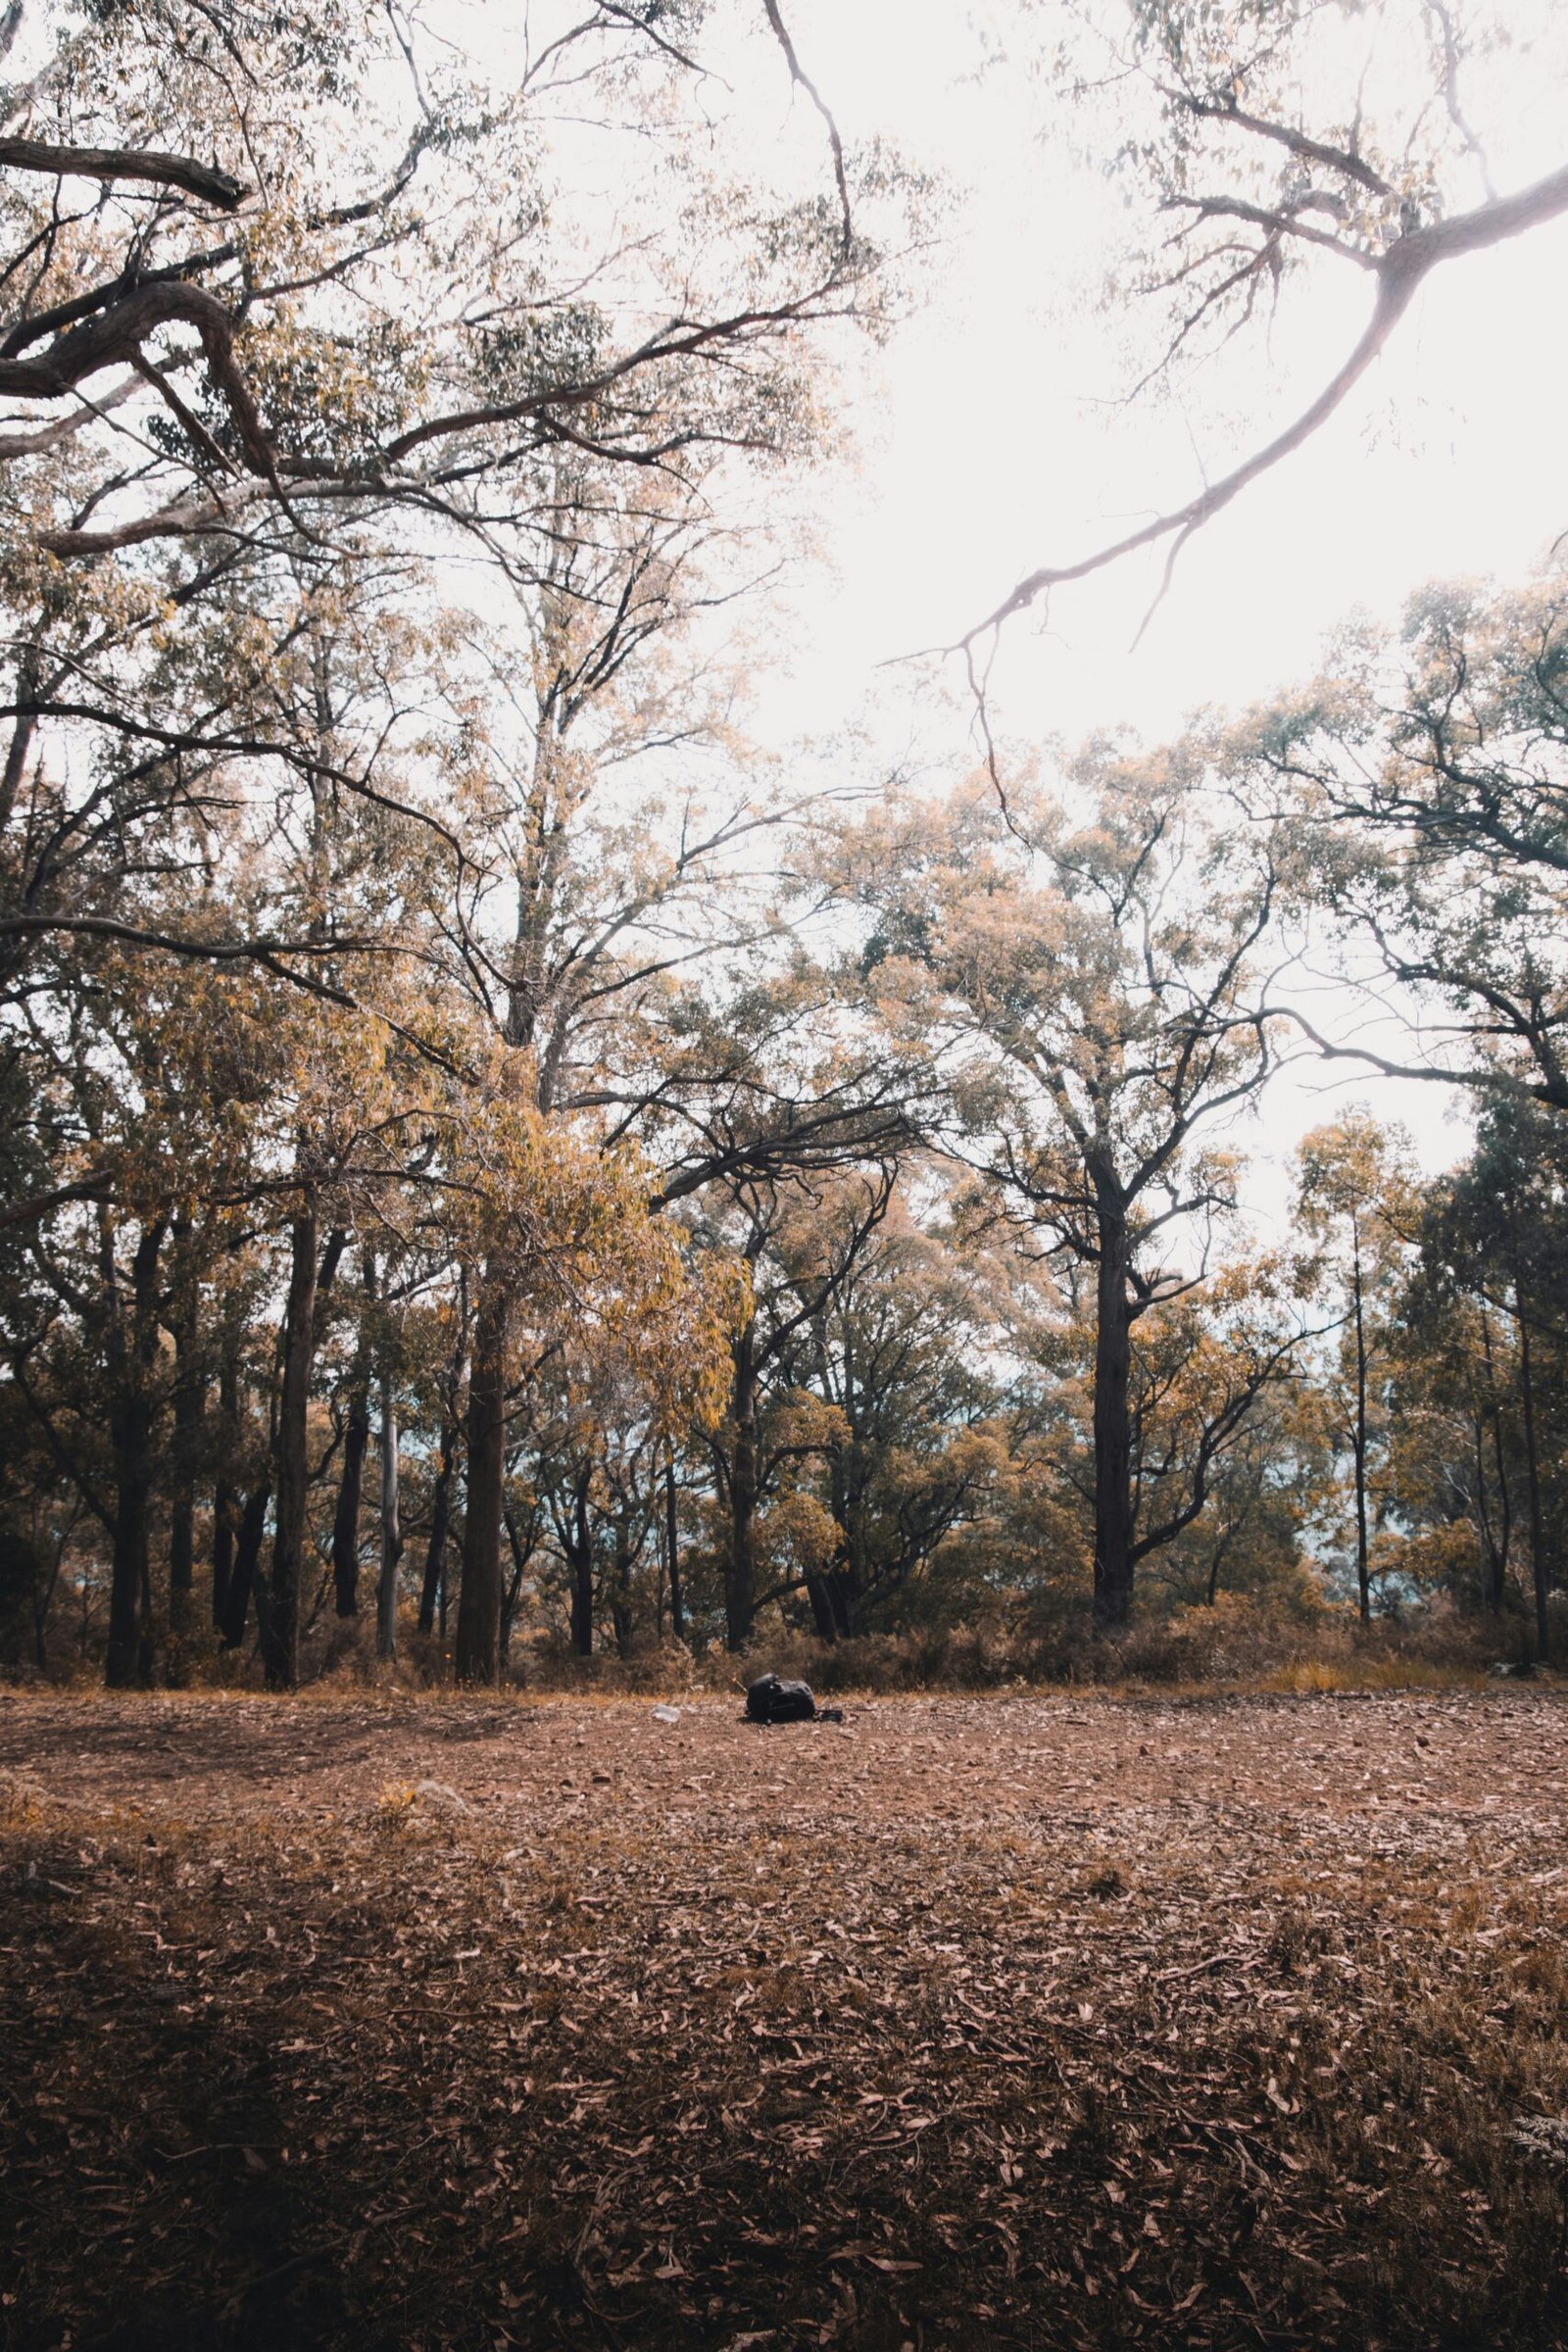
pixel 521 1554
pixel 816 1592
pixel 131 1429
pixel 1537 1545
pixel 386 1600
pixel 620 1593
pixel 130 1434
pixel 346 1517
pixel 21 734
pixel 42 1595
pixel 280 1620
pixel 435 1558
pixel 223 1501
pixel 677 1597
pixel 1364 1548
pixel 1499 1544
pixel 1113 1485
pixel 355 1439
pixel 580 1560
pixel 740 1566
pixel 225 1495
pixel 246 1561
pixel 1498 1584
pixel 190 1398
pixel 827 1591
pixel 478 1657
pixel 433 1587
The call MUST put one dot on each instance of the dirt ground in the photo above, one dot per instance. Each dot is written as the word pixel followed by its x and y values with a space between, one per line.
pixel 1025 2020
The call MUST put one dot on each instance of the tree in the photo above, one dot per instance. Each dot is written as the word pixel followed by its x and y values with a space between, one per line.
pixel 1255 1536
pixel 1089 995
pixel 359 281
pixel 601 899
pixel 799 1236
pixel 361 317
pixel 90 1309
pixel 1500 1223
pixel 1356 1200
pixel 604 1405
pixel 895 1349
pixel 551 1217
pixel 781 1118
pixel 1456 1467
pixel 1423 781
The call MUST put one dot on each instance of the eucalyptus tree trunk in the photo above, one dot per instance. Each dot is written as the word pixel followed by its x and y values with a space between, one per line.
pixel 580 1561
pixel 1358 1439
pixel 1113 1486
pixel 433 1585
pixel 280 1618
pixel 356 1440
pixel 1537 1541
pixel 433 1582
pixel 479 1596
pixel 223 1501
pixel 345 1516
pixel 243 1578
pixel 226 1495
pixel 386 1612
pixel 129 1432
pixel 478 1646
pixel 739 1564
pixel 278 1607
pixel 822 1618
pixel 190 1401
pixel 131 1351
pixel 830 1590
pixel 521 1553
pixel 621 1590
pixel 1498 1542
pixel 677 1597
pixel 21 734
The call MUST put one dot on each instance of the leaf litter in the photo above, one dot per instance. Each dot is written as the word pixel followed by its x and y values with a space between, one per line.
pixel 1034 2020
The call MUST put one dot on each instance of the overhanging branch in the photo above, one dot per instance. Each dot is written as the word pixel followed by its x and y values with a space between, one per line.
pixel 1399 271
pixel 201 180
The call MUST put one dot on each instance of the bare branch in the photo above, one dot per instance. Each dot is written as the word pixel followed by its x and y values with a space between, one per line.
pixel 803 80
pixel 201 180
pixel 1399 271
pixel 1297 143
pixel 1488 1079
pixel 65 429
pixel 1277 221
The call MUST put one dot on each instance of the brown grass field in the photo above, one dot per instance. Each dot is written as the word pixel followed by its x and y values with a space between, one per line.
pixel 1022 2020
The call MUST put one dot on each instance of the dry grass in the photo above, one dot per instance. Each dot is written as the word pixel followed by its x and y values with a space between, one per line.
pixel 1068 2021
pixel 1238 1645
pixel 1374 1673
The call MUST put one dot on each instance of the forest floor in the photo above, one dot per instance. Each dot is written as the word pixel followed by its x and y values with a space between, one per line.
pixel 1031 2021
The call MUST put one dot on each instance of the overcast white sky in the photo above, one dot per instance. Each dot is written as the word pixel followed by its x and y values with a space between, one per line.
pixel 995 440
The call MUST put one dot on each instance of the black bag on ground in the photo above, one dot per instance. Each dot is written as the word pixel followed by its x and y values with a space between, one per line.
pixel 769 1701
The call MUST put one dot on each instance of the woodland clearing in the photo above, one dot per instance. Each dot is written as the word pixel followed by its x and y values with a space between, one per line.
pixel 1037 2019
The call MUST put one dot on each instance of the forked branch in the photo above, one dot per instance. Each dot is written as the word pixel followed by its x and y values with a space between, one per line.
pixel 1399 271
